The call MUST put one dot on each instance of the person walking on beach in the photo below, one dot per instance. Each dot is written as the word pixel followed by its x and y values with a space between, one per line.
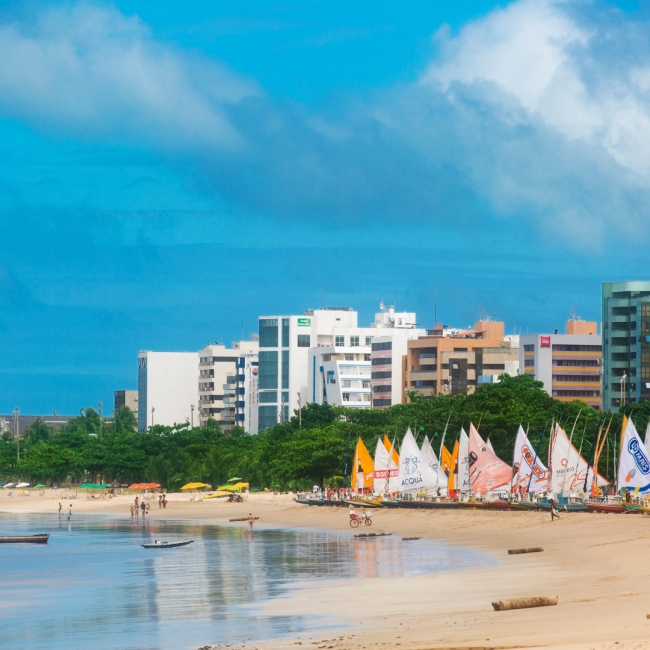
pixel 60 508
pixel 160 500
pixel 554 513
pixel 251 521
pixel 143 507
pixel 164 501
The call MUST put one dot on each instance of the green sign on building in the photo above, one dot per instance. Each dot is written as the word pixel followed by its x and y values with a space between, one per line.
pixel 304 322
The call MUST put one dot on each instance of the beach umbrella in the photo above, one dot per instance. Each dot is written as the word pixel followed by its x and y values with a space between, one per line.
pixel 22 485
pixel 236 479
pixel 10 485
pixel 39 486
pixel 194 486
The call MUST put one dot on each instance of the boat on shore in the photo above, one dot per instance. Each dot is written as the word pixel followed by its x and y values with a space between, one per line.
pixel 161 544
pixel 606 507
pixel 25 539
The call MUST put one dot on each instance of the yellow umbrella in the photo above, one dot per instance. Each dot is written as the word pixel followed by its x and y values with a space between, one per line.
pixel 234 488
pixel 194 486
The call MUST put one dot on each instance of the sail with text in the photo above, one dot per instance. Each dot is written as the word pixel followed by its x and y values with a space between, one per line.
pixel 486 471
pixel 569 468
pixel 634 466
pixel 363 467
pixel 414 474
pixel 386 472
pixel 429 457
pixel 464 485
pixel 528 468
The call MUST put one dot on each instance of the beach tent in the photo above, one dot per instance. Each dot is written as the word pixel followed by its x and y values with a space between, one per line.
pixel 362 468
pixel 39 486
pixel 634 466
pixel 527 464
pixel 429 457
pixel 414 474
pixel 236 479
pixel 22 485
pixel 237 487
pixel 486 470
pixel 195 486
pixel 385 475
pixel 143 486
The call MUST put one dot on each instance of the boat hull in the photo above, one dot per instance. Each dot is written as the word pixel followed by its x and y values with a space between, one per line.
pixel 185 542
pixel 606 507
pixel 24 539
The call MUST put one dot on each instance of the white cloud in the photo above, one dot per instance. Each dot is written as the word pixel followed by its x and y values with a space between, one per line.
pixel 93 72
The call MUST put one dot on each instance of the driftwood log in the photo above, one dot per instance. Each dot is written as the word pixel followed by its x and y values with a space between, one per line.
pixel 373 534
pixel 518 551
pixel 242 519
pixel 522 603
pixel 408 539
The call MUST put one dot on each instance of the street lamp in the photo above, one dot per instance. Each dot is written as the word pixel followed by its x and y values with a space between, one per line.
pixel 622 382
pixel 299 410
pixel 153 410
pixel 192 407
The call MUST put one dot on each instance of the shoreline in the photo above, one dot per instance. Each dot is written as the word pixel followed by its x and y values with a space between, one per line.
pixel 595 563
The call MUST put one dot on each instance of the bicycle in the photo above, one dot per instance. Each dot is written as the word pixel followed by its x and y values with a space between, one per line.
pixel 355 520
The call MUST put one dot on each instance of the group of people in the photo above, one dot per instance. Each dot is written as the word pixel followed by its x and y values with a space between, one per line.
pixel 69 511
pixel 137 507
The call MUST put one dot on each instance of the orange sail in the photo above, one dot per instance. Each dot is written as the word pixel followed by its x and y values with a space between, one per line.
pixel 446 460
pixel 453 461
pixel 363 467
pixel 486 470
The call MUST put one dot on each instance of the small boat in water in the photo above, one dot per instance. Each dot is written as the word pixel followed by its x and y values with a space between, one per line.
pixel 24 539
pixel 160 544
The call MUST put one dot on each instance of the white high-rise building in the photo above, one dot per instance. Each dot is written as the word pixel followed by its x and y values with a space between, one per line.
pixel 240 394
pixel 167 388
pixel 289 372
pixel 216 364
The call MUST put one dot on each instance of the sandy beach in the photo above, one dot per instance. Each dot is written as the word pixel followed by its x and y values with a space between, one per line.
pixel 596 564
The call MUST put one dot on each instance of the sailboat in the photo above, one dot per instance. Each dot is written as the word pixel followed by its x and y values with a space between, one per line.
pixel 486 470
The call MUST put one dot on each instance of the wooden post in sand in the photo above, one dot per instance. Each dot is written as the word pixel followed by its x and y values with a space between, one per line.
pixel 523 603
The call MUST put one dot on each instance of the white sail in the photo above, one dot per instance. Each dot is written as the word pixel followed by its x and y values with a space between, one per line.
pixel 527 465
pixel 569 468
pixel 414 474
pixel 490 447
pixel 634 467
pixel 647 435
pixel 463 463
pixel 429 457
pixel 386 472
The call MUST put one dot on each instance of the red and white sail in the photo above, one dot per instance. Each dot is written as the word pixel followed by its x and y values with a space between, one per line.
pixel 569 468
pixel 530 474
pixel 486 471
pixel 386 473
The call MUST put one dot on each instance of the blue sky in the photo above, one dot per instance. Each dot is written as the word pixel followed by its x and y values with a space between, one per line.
pixel 169 172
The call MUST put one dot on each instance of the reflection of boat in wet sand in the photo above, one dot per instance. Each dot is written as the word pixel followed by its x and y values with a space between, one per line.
pixel 160 544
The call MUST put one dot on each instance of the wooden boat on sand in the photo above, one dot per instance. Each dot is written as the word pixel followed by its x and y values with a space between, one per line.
pixel 24 539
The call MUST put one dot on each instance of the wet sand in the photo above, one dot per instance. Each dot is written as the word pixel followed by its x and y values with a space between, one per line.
pixel 597 564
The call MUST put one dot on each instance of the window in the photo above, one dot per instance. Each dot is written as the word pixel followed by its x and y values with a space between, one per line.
pixel 578 348
pixel 285 368
pixel 493 366
pixel 368 340
pixel 381 375
pixel 529 348
pixel 354 341
pixel 268 417
pixel 576 393
pixel 382 346
pixel 382 362
pixel 585 363
pixel 268 332
pixel 339 341
pixel 365 383
pixel 366 357
pixel 383 389
pixel 578 378
pixel 529 362
pixel 285 397
pixel 268 375
pixel 270 397
pixel 381 402
pixel 460 349
pixel 304 340
pixel 346 397
pixel 285 332
pixel 349 357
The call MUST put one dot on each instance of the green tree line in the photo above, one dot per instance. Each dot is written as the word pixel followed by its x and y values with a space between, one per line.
pixel 316 447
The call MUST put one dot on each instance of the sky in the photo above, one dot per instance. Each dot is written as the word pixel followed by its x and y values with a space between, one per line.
pixel 171 171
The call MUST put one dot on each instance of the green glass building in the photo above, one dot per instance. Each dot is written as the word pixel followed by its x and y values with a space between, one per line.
pixel 626 343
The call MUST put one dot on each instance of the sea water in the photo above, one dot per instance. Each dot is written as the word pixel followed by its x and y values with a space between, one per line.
pixel 93 585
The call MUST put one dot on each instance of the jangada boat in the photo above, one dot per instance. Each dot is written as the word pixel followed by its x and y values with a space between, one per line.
pixel 160 544
pixel 24 539
pixel 606 507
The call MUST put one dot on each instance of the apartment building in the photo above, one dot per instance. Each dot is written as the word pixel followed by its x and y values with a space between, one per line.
pixel 167 388
pixel 126 398
pixel 240 394
pixel 216 364
pixel 450 360
pixel 626 343
pixel 289 374
pixel 568 364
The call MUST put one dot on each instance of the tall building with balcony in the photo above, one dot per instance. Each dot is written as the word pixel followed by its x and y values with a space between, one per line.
pixel 215 364
pixel 289 374
pixel 451 361
pixel 568 364
pixel 167 388
pixel 240 394
pixel 626 343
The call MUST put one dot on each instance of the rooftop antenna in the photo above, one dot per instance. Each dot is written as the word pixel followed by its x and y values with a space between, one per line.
pixel 573 316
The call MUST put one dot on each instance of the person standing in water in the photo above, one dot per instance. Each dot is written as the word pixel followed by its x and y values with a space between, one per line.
pixel 251 521
pixel 60 508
